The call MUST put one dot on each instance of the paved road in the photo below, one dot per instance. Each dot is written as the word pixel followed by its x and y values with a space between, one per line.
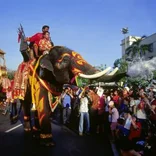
pixel 68 143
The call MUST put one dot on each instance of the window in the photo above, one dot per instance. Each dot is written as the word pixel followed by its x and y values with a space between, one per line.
pixel 150 47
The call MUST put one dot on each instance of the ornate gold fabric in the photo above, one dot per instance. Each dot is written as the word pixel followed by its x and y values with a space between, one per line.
pixel 21 80
pixel 6 83
pixel 45 136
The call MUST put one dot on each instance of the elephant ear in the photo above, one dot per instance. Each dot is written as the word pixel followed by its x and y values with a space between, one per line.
pixel 45 63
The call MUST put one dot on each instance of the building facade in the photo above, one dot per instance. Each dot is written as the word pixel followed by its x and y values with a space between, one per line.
pixel 150 41
pixel 125 43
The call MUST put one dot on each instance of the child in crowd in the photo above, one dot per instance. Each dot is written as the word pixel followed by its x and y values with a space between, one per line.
pixel 113 115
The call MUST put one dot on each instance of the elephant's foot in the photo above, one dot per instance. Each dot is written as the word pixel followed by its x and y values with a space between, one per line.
pixel 46 140
pixel 46 143
pixel 49 144
pixel 36 132
pixel 27 129
pixel 35 129
pixel 27 126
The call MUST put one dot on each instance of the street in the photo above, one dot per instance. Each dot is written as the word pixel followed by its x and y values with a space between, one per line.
pixel 13 141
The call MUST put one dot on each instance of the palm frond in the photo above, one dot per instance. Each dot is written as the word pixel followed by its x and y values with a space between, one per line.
pixel 144 48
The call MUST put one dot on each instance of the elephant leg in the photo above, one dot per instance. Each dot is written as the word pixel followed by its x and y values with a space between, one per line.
pixel 27 117
pixel 35 124
pixel 43 108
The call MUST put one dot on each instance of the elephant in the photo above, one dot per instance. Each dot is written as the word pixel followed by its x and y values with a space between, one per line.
pixel 55 69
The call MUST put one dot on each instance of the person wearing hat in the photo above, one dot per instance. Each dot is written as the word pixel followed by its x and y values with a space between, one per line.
pixel 127 88
pixel 114 114
pixel 125 93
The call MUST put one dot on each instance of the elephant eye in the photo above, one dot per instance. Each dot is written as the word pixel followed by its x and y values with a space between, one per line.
pixel 66 59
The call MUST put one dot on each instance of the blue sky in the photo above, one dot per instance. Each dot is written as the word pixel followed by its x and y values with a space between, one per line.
pixel 90 27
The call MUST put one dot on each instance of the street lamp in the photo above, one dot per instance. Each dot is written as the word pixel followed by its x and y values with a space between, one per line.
pixel 124 31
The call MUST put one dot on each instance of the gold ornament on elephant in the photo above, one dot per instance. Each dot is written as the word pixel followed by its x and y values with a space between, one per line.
pixel 45 136
pixel 33 82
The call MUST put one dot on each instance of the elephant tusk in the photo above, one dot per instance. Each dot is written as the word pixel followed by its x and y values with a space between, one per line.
pixel 113 72
pixel 97 75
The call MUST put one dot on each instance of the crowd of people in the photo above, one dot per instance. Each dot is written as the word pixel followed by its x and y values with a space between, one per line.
pixel 128 115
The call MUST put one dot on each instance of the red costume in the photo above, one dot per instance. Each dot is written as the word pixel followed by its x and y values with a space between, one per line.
pixel 35 38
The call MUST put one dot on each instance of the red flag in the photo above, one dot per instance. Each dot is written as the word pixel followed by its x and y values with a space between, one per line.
pixel 19 36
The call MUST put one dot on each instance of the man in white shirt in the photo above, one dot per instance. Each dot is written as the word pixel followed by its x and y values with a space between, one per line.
pixel 84 115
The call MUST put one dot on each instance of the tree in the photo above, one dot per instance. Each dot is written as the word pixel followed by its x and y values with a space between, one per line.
pixel 10 74
pixel 101 67
pixel 137 49
pixel 121 64
pixel 154 74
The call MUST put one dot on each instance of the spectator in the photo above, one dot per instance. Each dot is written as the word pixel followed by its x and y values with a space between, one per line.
pixel 93 109
pixel 8 101
pixel 116 99
pixel 100 115
pixel 153 113
pixel 66 102
pixel 84 115
pixel 141 113
pixel 106 116
pixel 135 131
pixel 114 114
pixel 125 129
